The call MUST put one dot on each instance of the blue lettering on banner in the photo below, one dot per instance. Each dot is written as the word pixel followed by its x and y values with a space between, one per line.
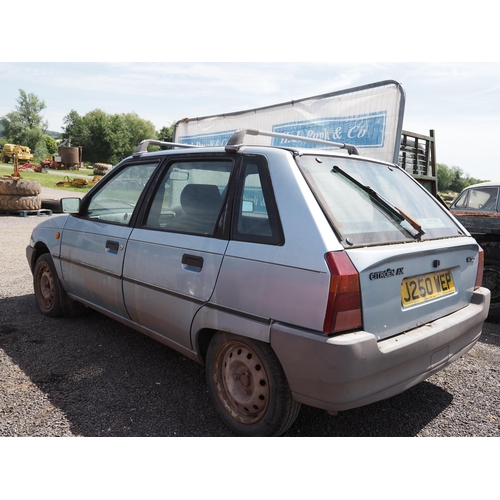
pixel 367 131
pixel 210 140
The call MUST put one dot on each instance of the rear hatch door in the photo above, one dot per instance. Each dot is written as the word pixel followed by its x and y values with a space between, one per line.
pixel 404 286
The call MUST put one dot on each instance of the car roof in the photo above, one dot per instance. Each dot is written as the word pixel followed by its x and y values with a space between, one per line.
pixel 257 149
pixel 483 184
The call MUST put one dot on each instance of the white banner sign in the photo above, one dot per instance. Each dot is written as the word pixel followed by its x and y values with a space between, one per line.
pixel 368 117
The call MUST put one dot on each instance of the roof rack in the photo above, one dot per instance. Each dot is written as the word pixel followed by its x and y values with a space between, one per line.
pixel 143 146
pixel 236 141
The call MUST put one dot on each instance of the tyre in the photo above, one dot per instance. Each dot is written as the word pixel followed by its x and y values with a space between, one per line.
pixel 98 171
pixel 248 387
pixel 54 205
pixel 491 276
pixel 20 188
pixel 13 203
pixel 102 166
pixel 49 294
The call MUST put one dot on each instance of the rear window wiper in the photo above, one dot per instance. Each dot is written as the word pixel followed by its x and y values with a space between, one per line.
pixel 415 231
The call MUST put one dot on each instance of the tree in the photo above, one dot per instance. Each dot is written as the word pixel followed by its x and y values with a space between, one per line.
pixel 25 125
pixel 74 128
pixel 50 145
pixel 125 133
pixel 457 183
pixel 29 108
pixel 453 178
pixel 139 129
pixel 444 177
pixel 97 124
pixel 107 138
pixel 166 134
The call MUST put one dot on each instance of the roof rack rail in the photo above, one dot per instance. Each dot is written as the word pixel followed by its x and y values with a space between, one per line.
pixel 143 146
pixel 236 141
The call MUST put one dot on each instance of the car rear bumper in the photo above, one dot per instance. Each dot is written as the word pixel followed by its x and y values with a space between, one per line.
pixel 352 370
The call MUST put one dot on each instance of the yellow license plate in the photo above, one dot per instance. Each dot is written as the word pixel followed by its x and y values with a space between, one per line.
pixel 426 287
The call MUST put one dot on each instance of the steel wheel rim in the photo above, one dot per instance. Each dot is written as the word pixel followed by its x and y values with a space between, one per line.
pixel 243 385
pixel 45 286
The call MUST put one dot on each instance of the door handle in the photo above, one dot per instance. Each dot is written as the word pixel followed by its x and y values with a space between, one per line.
pixel 112 246
pixel 192 261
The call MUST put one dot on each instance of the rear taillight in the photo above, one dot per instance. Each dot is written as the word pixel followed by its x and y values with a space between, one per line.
pixel 343 311
pixel 480 268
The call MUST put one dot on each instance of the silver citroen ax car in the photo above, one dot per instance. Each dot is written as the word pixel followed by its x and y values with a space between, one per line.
pixel 296 276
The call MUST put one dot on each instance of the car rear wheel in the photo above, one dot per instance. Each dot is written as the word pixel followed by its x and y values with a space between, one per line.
pixel 248 386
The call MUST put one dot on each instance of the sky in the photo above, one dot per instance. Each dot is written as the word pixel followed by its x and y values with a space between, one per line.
pixel 459 101
pixel 221 57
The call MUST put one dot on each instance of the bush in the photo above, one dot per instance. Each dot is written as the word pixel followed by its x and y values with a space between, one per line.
pixel 50 145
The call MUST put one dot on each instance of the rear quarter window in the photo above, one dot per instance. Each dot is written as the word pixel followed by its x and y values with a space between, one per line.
pixel 256 217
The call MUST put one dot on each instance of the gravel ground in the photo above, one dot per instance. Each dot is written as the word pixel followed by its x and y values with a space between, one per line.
pixel 91 376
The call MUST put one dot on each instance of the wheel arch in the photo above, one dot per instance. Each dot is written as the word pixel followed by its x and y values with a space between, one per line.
pixel 486 238
pixel 203 339
pixel 209 320
pixel 39 249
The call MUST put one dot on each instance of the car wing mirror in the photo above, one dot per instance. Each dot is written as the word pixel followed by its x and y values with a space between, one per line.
pixel 70 205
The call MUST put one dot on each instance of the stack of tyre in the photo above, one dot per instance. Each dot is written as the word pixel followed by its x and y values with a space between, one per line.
pixel 101 168
pixel 18 195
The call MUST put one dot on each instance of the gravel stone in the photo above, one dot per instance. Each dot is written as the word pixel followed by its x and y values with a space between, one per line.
pixel 91 376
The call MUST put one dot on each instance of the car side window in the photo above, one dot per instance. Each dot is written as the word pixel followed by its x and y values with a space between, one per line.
pixel 117 199
pixel 190 196
pixel 256 216
pixel 484 199
pixel 461 201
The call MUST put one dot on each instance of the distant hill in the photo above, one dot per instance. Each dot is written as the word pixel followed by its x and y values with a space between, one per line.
pixel 54 135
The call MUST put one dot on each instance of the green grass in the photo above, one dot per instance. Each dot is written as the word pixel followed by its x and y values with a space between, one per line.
pixel 50 179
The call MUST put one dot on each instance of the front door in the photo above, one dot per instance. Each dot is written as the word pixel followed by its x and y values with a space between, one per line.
pixel 94 242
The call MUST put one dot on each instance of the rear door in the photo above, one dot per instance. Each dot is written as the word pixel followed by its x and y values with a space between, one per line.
pixel 173 258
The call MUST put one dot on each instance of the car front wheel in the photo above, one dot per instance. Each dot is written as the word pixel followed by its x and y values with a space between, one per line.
pixel 48 290
pixel 248 386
